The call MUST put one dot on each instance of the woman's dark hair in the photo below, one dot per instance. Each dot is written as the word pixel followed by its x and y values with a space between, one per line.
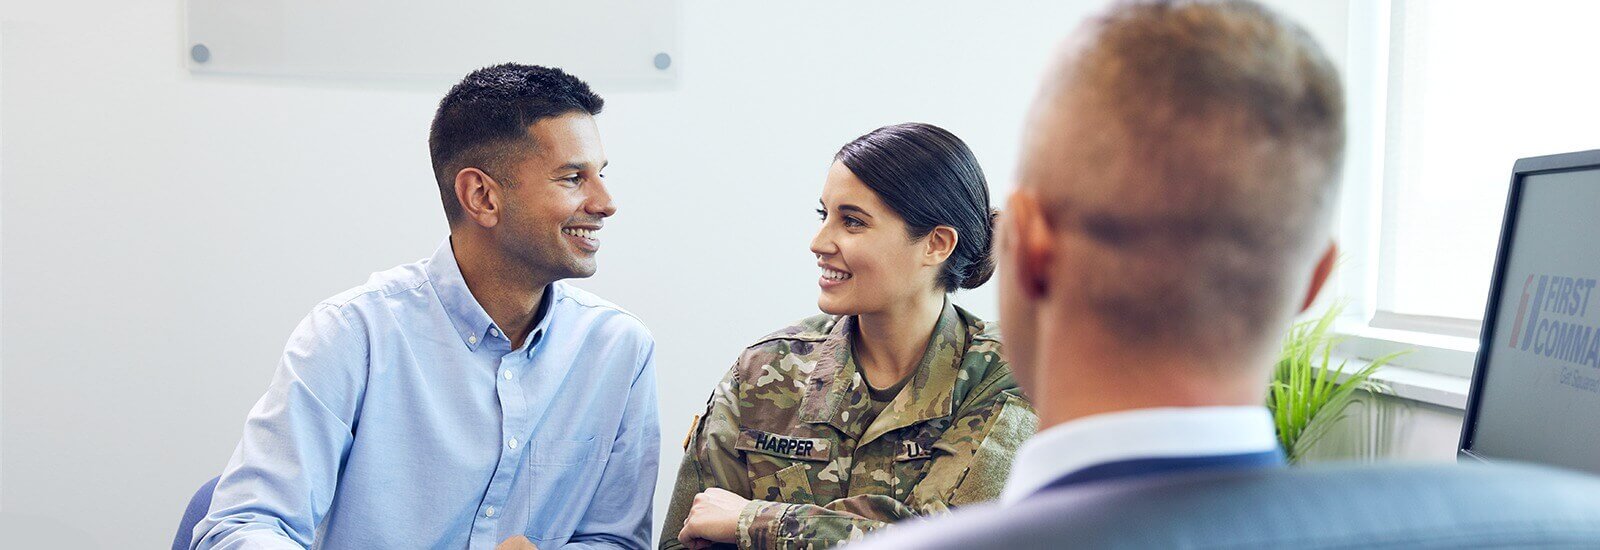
pixel 930 178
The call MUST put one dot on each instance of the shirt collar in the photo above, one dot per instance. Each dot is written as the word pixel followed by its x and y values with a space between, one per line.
pixel 471 322
pixel 541 318
pixel 1140 433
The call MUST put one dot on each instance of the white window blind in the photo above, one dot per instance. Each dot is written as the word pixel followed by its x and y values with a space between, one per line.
pixel 1473 85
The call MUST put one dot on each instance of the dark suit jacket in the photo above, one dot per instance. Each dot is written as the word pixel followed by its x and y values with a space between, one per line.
pixel 1392 506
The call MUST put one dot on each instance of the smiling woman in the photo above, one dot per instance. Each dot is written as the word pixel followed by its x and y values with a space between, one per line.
pixel 894 402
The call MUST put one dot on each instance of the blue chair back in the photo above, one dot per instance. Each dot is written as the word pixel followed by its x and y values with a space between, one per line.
pixel 198 505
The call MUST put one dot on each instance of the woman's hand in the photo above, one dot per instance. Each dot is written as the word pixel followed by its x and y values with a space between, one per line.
pixel 713 518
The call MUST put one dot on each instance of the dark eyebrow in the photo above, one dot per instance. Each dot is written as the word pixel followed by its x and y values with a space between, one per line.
pixel 853 208
pixel 580 166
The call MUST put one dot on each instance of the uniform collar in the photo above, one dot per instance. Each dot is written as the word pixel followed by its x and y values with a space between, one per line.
pixel 836 393
pixel 471 322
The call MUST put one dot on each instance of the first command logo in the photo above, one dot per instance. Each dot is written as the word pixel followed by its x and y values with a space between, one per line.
pixel 1551 320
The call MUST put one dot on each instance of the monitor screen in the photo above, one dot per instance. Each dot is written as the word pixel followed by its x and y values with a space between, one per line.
pixel 1536 395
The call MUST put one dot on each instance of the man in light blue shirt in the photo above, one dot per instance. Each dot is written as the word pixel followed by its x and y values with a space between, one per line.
pixel 471 397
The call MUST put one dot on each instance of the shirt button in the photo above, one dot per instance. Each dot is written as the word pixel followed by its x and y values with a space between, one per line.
pixel 494 331
pixel 488 512
pixel 507 374
pixel 472 339
pixel 512 443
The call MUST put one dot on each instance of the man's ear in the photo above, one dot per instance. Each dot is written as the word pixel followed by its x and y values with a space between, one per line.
pixel 479 196
pixel 1320 275
pixel 1029 243
pixel 940 244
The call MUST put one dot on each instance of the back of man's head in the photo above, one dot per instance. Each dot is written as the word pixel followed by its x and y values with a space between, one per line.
pixel 1185 155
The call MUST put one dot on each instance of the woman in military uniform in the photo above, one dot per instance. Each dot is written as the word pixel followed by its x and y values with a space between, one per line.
pixel 895 402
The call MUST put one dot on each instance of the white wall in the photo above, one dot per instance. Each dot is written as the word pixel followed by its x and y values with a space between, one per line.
pixel 162 233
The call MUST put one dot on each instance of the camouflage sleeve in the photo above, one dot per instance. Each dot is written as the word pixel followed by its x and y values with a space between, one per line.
pixel 769 525
pixel 709 459
pixel 976 453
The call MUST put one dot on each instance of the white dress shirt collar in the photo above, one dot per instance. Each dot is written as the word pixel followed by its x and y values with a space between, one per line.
pixel 1138 433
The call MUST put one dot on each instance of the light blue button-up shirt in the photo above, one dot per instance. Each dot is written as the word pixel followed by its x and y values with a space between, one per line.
pixel 400 417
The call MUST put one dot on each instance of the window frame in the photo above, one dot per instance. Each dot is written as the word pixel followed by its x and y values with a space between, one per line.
pixel 1374 83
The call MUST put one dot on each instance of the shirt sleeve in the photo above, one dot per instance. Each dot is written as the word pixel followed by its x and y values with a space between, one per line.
pixel 980 445
pixel 619 516
pixel 709 459
pixel 280 481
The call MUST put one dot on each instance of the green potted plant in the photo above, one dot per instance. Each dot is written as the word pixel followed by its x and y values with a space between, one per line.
pixel 1307 395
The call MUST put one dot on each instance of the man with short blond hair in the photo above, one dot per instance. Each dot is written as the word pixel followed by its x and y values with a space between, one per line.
pixel 1176 184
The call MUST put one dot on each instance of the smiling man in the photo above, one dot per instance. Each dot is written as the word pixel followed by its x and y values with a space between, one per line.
pixel 469 398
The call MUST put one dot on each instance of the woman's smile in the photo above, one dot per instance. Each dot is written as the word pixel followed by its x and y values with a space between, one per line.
pixel 832 277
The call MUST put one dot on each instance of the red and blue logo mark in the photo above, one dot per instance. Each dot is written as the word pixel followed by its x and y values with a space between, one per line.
pixel 1522 309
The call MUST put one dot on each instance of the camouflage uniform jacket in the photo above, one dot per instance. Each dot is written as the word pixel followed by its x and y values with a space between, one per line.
pixel 785 429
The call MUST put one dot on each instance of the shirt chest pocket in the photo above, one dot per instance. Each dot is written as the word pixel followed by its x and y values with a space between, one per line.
pixel 781 466
pixel 562 472
pixel 561 452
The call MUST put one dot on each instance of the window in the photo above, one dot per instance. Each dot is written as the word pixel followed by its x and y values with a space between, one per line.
pixel 1445 96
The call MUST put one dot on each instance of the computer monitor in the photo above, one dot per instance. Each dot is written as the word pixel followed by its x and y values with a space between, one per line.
pixel 1535 393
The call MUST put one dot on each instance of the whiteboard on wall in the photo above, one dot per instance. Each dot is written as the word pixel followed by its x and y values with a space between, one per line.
pixel 614 41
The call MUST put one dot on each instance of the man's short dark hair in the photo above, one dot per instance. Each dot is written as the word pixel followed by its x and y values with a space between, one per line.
pixel 484 119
